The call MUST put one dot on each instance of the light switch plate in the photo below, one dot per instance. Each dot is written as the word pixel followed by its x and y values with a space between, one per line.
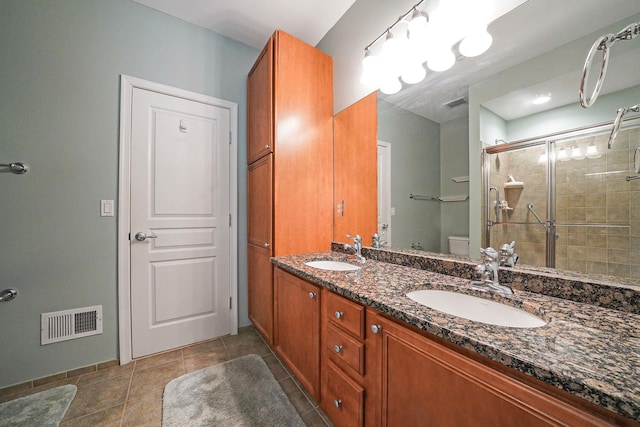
pixel 106 207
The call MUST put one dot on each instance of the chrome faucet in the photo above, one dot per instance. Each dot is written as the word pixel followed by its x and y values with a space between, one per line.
pixel 376 242
pixel 508 255
pixel 488 270
pixel 356 247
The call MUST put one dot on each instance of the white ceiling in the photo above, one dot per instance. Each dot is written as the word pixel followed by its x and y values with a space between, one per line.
pixel 531 29
pixel 253 21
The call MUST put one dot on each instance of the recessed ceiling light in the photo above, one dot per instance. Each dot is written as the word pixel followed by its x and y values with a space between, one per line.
pixel 541 99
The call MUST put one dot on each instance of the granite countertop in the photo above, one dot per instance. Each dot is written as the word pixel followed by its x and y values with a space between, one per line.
pixel 589 351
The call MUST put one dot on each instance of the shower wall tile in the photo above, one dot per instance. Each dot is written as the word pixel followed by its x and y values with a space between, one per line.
pixel 619 242
pixel 596 201
pixel 596 214
pixel 597 267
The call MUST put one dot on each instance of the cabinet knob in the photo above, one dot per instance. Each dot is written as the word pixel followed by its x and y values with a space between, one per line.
pixel 339 314
pixel 266 147
pixel 312 295
pixel 337 348
pixel 376 328
pixel 266 245
pixel 337 403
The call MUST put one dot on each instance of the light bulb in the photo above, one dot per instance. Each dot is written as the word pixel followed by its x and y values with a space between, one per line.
pixel 441 60
pixel 370 70
pixel 541 99
pixel 576 153
pixel 413 73
pixel 542 158
pixel 476 43
pixel 390 85
pixel 592 152
pixel 394 53
pixel 562 155
pixel 418 23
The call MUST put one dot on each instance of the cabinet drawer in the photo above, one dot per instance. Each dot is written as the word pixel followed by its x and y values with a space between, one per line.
pixel 343 400
pixel 342 347
pixel 345 313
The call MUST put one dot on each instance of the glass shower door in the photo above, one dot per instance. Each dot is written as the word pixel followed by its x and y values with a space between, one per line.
pixel 516 206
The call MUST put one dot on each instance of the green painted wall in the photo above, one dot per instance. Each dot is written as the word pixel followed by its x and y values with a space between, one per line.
pixel 59 112
pixel 415 168
pixel 454 156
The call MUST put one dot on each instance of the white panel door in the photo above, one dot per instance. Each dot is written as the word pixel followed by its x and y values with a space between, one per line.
pixel 180 202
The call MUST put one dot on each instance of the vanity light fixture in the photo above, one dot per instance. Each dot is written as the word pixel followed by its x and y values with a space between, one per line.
pixel 562 155
pixel 576 153
pixel 414 39
pixel 592 151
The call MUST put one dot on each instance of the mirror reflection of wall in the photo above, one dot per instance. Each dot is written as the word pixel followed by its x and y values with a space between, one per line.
pixel 418 147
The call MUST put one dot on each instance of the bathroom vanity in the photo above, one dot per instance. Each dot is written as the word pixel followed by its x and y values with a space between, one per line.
pixel 384 359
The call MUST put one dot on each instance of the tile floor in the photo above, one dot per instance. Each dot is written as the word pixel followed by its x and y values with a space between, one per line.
pixel 131 395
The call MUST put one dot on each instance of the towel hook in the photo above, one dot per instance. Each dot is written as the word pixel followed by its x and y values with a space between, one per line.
pixel 16 167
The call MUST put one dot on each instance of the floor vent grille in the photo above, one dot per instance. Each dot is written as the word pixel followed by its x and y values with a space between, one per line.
pixel 69 324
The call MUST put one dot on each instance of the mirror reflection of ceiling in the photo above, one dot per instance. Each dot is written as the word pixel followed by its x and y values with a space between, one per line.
pixel 531 29
pixel 523 29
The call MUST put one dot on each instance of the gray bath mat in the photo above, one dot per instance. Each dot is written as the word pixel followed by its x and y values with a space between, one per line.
pixel 240 392
pixel 46 408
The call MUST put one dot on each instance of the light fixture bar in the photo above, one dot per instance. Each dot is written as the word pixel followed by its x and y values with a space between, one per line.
pixel 400 18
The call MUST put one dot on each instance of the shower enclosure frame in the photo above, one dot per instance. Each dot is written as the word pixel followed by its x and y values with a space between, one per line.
pixel 548 141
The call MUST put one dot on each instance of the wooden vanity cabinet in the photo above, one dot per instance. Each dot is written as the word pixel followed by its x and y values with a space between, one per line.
pixel 259 231
pixel 415 381
pixel 297 328
pixel 289 157
pixel 343 360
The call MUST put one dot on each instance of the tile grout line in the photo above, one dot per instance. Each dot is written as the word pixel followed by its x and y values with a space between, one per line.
pixel 126 399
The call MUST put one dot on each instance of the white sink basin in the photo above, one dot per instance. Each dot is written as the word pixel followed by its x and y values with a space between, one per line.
pixel 476 309
pixel 332 265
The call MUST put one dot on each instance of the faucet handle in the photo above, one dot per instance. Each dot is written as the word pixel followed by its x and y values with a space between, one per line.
pixel 356 238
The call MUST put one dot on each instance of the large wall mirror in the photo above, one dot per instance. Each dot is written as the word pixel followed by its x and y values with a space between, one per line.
pixel 438 185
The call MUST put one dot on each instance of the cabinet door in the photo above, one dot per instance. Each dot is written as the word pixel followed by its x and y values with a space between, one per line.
pixel 420 382
pixel 356 171
pixel 260 106
pixel 260 278
pixel 297 328
pixel 260 203
pixel 259 230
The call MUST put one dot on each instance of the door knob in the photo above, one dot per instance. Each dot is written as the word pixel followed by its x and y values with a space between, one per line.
pixel 140 236
pixel 312 295
pixel 376 328
pixel 339 314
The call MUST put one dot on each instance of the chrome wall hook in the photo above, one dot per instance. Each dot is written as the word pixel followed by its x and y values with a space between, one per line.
pixel 7 295
pixel 16 167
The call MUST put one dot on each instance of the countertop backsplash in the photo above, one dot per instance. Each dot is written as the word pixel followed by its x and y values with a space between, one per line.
pixel 599 290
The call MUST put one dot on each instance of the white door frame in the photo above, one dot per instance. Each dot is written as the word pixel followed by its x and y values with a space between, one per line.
pixel 127 85
pixel 385 182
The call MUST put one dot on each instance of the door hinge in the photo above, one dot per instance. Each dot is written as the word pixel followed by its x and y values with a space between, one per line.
pixel 230 137
pixel 229 220
pixel 230 303
pixel 129 236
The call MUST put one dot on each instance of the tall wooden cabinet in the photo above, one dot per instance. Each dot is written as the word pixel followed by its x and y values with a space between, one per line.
pixel 356 170
pixel 290 163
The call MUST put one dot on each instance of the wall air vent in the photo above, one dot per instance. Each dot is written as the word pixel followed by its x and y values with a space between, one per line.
pixel 455 102
pixel 69 324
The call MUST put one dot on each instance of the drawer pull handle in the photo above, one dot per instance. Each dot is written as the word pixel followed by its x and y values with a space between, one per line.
pixel 339 314
pixel 337 403
pixel 312 295
pixel 376 328
pixel 337 348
